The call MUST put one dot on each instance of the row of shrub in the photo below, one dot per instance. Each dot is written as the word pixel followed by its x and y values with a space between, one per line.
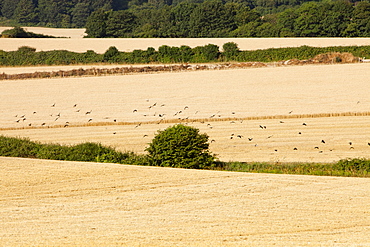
pixel 90 152
pixel 95 152
pixel 27 56
pixel 18 32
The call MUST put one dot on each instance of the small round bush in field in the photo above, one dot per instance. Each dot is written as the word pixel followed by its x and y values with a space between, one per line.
pixel 180 146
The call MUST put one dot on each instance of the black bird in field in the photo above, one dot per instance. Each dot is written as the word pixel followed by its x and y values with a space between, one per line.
pixel 299 133
pixel 322 141
pixel 250 139
pixel 240 136
pixel 350 143
pixel 134 110
pixel 88 112
pixel 368 143
pixel 295 148
pixel 74 105
pixel 304 124
pixel 53 105
pixel 89 120
pixel 145 136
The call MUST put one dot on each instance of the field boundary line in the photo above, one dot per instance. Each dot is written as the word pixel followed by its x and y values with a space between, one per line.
pixel 200 120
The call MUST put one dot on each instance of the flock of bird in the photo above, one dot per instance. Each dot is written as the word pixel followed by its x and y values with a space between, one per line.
pixel 157 111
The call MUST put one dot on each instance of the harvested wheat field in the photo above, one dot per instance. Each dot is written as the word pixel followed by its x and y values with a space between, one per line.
pixel 283 114
pixel 278 114
pixel 54 203
pixel 130 44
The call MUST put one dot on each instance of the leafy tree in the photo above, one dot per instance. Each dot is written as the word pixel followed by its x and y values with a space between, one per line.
pixel 181 19
pixel 25 12
pixel 207 53
pixel 285 23
pixel 80 13
pixel 111 55
pixel 8 8
pixel 120 24
pixel 180 146
pixel 308 22
pixel 96 26
pixel 230 50
pixel 361 18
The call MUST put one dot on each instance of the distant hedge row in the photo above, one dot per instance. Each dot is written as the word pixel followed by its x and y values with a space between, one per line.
pixel 27 56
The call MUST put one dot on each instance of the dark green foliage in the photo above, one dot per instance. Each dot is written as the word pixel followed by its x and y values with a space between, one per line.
pixel 346 168
pixel 91 152
pixel 18 32
pixel 119 24
pixel 18 147
pixel 196 18
pixel 25 13
pixel 207 53
pixel 230 51
pixel 353 165
pixel 180 146
pixel 96 24
pixel 167 54
pixel 111 55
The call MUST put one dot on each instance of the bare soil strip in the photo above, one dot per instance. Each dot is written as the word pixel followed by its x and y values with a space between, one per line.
pixel 51 203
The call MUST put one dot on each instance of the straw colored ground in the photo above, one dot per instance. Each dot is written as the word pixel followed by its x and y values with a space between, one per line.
pixel 51 203
pixel 128 44
pixel 106 103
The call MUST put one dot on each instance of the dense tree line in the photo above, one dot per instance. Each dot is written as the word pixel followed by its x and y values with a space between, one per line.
pixel 218 19
pixel 53 13
pixel 26 56
pixel 74 13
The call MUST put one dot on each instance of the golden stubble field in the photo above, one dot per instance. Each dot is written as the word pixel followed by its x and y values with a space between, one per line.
pixel 55 203
pixel 126 111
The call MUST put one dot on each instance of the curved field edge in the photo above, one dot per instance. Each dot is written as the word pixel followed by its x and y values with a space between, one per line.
pixel 95 152
pixel 80 203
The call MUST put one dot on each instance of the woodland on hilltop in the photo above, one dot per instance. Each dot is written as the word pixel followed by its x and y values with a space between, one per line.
pixel 194 18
